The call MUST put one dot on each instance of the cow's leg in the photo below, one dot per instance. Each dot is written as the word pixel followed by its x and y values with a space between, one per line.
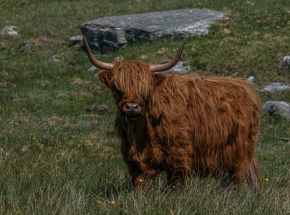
pixel 226 178
pixel 253 177
pixel 251 173
pixel 138 180
pixel 169 177
pixel 177 178
pixel 239 174
pixel 137 176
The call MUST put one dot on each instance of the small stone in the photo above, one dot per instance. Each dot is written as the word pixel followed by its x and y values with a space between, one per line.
pixel 56 58
pixel 179 68
pixel 39 41
pixel 250 79
pixel 275 87
pixel 28 45
pixel 99 108
pixel 286 61
pixel 76 38
pixel 234 74
pixel 92 68
pixel 252 74
pixel 277 108
pixel 11 28
pixel 11 31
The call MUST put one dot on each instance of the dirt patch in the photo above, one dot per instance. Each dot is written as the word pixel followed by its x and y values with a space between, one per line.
pixel 91 116
pixel 75 81
pixel 99 108
pixel 226 31
pixel 19 121
pixel 57 119
pixel 61 95
pixel 83 94
pixel 36 147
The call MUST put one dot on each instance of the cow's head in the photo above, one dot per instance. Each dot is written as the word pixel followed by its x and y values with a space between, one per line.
pixel 131 82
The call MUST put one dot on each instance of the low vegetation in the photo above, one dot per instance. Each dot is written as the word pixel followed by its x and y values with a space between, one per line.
pixel 55 158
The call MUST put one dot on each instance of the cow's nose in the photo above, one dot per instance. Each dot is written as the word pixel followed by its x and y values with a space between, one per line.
pixel 131 107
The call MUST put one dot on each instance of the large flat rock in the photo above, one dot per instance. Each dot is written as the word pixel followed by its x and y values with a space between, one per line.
pixel 110 33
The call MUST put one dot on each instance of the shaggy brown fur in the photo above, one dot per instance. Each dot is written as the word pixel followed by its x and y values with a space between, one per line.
pixel 187 124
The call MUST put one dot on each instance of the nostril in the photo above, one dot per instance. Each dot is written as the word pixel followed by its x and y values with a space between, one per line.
pixel 136 106
pixel 127 107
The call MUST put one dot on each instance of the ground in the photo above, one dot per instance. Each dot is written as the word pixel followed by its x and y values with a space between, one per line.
pixel 56 158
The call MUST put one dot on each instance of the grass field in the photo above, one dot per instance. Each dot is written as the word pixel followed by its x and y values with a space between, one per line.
pixel 55 158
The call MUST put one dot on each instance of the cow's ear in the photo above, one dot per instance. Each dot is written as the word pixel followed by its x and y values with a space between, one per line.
pixel 159 79
pixel 105 77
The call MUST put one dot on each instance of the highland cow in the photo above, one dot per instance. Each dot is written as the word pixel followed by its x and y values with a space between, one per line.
pixel 183 125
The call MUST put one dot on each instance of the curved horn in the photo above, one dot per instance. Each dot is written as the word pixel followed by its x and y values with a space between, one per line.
pixel 94 61
pixel 169 65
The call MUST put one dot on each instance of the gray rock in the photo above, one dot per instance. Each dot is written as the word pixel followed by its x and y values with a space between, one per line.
pixel 111 33
pixel 277 108
pixel 250 79
pixel 234 74
pixel 76 38
pixel 179 68
pixel 37 43
pixel 40 43
pixel 99 108
pixel 275 87
pixel 92 68
pixel 11 31
pixel 28 45
pixel 251 76
pixel 286 61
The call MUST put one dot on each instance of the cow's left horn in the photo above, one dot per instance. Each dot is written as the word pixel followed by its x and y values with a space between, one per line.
pixel 169 65
pixel 94 61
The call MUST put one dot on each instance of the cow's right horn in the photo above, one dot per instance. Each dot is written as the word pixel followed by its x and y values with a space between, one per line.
pixel 94 61
pixel 169 65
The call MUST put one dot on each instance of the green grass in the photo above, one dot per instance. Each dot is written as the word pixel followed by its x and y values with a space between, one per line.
pixel 55 158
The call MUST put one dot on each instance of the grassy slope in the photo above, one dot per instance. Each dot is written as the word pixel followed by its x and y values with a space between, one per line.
pixel 78 168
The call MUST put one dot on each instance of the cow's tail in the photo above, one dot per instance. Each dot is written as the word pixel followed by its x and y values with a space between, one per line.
pixel 253 177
